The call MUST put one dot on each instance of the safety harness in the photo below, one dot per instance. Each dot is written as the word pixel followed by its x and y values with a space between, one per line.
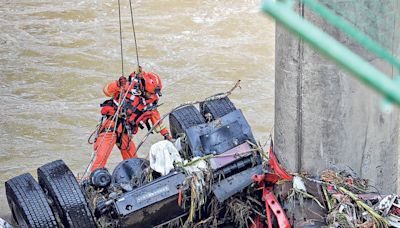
pixel 135 112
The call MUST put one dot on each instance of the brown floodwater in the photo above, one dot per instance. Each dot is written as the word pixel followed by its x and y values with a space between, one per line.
pixel 55 57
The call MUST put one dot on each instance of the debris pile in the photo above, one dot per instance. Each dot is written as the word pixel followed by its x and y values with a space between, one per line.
pixel 204 209
pixel 337 199
pixel 333 199
pixel 215 174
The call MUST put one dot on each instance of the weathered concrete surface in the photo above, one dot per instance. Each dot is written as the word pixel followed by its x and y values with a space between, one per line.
pixel 326 118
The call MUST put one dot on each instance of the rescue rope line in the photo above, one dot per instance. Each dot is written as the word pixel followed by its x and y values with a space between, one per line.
pixel 114 120
pixel 93 155
pixel 94 133
pixel 116 116
pixel 211 98
pixel 134 34
pixel 120 37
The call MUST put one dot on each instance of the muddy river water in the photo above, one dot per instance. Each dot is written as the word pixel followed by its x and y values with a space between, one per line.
pixel 55 57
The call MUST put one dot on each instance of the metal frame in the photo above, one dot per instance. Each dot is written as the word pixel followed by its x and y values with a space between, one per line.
pixel 266 182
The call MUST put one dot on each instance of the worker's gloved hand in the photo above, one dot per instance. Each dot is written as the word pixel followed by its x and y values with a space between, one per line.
pixel 169 137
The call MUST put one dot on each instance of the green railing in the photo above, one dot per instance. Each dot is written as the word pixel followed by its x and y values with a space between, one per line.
pixel 284 14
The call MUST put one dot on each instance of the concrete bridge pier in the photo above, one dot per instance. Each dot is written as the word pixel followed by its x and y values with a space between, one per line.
pixel 326 118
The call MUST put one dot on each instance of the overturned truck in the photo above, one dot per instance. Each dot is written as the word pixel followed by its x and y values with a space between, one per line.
pixel 210 184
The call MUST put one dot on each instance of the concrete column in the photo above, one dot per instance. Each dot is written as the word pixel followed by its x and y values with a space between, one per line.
pixel 326 118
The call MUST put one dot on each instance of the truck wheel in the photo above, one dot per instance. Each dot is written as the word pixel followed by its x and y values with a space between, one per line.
pixel 28 203
pixel 183 118
pixel 61 187
pixel 131 171
pixel 217 108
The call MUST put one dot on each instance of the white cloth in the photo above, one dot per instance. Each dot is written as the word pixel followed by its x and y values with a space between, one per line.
pixel 163 154
pixel 299 184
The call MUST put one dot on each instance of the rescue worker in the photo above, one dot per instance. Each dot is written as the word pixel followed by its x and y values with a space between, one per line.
pixel 142 92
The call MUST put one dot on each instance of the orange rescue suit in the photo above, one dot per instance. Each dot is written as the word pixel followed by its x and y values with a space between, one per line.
pixel 138 110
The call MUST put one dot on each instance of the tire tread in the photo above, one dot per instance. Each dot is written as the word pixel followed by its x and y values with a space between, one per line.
pixel 66 193
pixel 217 108
pixel 184 118
pixel 27 195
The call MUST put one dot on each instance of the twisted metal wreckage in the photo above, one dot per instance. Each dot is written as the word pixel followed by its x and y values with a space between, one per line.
pixel 215 175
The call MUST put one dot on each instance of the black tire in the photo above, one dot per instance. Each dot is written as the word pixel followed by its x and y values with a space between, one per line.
pixel 28 203
pixel 68 199
pixel 183 118
pixel 217 108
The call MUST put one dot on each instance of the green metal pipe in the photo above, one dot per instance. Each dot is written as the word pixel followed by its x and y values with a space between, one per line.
pixel 354 33
pixel 333 49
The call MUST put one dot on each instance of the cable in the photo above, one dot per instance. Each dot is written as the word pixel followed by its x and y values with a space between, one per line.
pixel 134 33
pixel 114 119
pixel 120 37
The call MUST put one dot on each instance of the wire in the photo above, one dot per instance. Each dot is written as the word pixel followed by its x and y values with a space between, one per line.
pixel 134 33
pixel 120 37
